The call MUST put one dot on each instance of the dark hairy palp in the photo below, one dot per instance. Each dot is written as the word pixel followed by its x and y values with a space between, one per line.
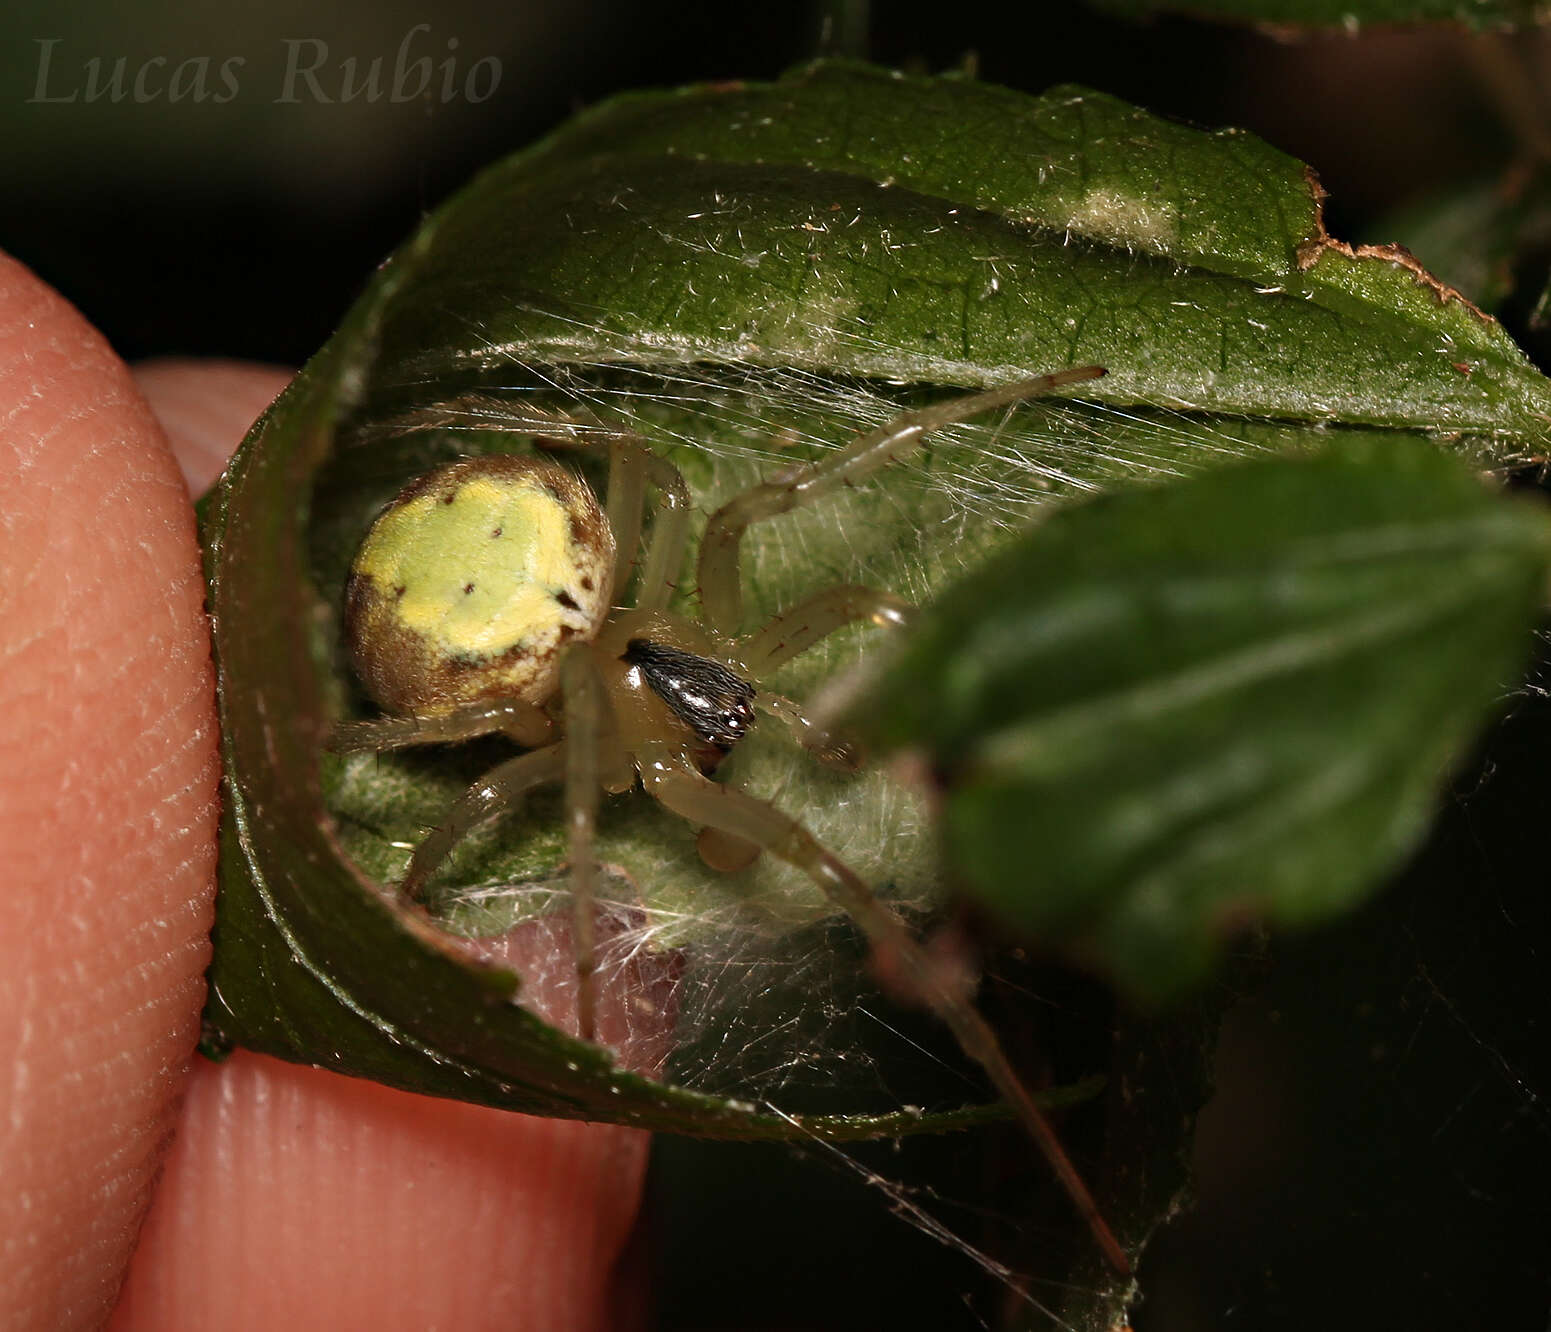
pixel 714 702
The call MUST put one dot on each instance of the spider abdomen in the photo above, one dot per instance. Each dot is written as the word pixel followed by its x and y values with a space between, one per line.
pixel 471 581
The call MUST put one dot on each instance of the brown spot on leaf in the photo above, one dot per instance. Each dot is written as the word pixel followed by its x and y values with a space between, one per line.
pixel 1312 247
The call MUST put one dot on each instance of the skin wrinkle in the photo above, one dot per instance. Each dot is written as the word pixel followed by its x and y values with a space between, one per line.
pixel 105 703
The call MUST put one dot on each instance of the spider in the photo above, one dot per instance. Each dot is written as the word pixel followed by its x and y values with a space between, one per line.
pixel 482 601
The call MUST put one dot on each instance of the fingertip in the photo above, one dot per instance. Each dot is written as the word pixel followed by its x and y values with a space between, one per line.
pixel 330 1202
pixel 206 406
pixel 108 776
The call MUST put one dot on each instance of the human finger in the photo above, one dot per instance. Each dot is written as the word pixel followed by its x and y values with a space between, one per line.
pixel 107 807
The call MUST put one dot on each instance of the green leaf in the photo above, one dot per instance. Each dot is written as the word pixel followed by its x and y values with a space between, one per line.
pixel 1172 709
pixel 749 276
pixel 825 223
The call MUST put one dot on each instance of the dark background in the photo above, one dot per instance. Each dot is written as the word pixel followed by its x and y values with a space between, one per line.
pixel 1377 1156
pixel 244 228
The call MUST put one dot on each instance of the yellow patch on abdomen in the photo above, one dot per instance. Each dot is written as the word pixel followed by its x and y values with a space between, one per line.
pixel 471 582
pixel 480 569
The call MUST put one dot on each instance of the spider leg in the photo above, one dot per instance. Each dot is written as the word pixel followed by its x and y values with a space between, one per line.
pixel 521 722
pixel 631 466
pixel 794 631
pixel 799 628
pixel 494 793
pixel 626 495
pixel 720 590
pixel 823 745
pixel 699 800
pixel 592 747
pixel 670 532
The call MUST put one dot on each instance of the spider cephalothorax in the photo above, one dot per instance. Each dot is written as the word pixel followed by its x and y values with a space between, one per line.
pixel 487 598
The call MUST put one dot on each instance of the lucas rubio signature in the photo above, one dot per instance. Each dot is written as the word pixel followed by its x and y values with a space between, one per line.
pixel 309 75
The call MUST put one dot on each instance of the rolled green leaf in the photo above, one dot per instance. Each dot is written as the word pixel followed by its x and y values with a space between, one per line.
pixel 748 276
pixel 943 231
